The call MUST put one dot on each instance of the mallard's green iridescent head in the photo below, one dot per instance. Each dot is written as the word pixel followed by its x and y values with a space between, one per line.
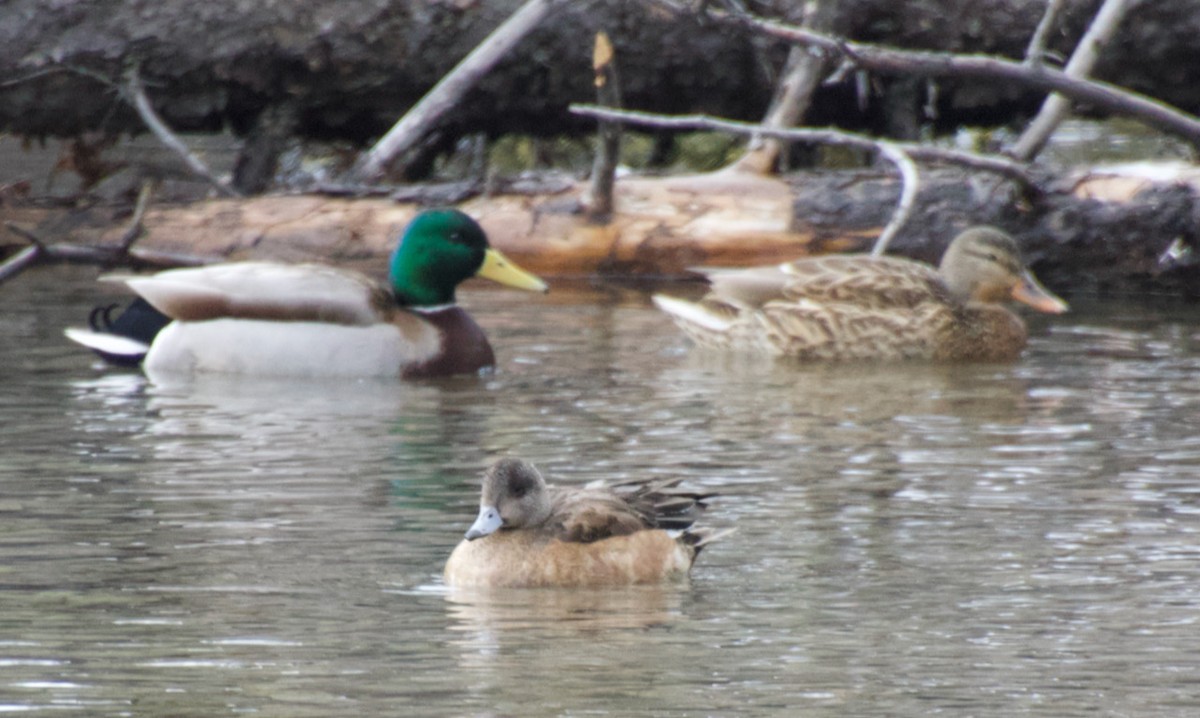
pixel 439 250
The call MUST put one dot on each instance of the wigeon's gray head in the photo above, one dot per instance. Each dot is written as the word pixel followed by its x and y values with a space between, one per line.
pixel 514 496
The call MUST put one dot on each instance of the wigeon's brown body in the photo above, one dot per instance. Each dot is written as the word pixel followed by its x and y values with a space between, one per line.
pixel 529 534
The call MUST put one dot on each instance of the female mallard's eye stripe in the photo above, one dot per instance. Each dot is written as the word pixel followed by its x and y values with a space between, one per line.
pixel 1007 262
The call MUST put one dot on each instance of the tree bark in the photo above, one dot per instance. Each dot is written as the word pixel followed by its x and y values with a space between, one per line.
pixel 352 69
pixel 1081 238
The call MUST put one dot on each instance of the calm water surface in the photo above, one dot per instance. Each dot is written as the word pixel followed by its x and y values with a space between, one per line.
pixel 963 541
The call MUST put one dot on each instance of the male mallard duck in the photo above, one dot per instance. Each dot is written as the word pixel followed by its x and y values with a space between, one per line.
pixel 529 534
pixel 862 307
pixel 314 320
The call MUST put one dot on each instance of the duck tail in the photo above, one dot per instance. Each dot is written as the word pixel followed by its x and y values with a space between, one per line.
pixel 692 313
pixel 125 340
pixel 699 538
pixel 113 348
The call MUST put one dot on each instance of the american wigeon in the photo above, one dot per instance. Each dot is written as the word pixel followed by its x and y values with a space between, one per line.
pixel 529 534
pixel 864 307
pixel 268 318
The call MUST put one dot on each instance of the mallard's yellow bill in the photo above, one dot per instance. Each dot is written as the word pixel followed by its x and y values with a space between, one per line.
pixel 1030 291
pixel 498 268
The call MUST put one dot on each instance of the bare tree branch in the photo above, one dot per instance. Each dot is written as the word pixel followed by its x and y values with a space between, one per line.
pixel 599 198
pixel 417 122
pixel 26 234
pixel 936 64
pixel 137 95
pixel 793 93
pixel 136 229
pixel 17 263
pixel 910 186
pixel 1048 118
pixel 27 257
pixel 119 254
pixel 1003 166
pixel 1035 54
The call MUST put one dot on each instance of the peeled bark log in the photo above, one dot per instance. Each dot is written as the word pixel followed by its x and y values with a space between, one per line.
pixel 1097 235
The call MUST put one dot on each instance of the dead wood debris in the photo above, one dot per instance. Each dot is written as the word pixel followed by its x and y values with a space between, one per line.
pixel 137 96
pixel 122 253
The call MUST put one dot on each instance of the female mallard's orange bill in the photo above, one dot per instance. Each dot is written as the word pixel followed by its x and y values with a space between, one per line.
pixel 1030 291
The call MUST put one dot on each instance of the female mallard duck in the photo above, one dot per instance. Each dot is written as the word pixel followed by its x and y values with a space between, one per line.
pixel 529 534
pixel 862 307
pixel 314 320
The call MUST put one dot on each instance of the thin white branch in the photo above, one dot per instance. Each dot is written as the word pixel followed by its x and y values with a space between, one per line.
pixel 135 229
pixel 39 251
pixel 937 64
pixel 1003 166
pixel 17 263
pixel 910 186
pixel 1035 136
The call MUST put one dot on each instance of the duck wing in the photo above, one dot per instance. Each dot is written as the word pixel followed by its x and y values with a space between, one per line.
pixel 868 282
pixel 747 288
pixel 813 331
pixel 583 515
pixel 602 510
pixel 879 283
pixel 265 290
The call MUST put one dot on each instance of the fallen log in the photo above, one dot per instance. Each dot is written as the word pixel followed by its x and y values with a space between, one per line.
pixel 1077 239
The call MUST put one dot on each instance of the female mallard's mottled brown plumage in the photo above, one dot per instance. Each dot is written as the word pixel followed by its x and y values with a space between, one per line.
pixel 862 307
pixel 530 534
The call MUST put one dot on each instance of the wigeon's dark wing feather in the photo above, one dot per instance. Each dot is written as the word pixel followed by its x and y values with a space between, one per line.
pixel 618 509
pixel 669 506
pixel 587 515
pixel 677 512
